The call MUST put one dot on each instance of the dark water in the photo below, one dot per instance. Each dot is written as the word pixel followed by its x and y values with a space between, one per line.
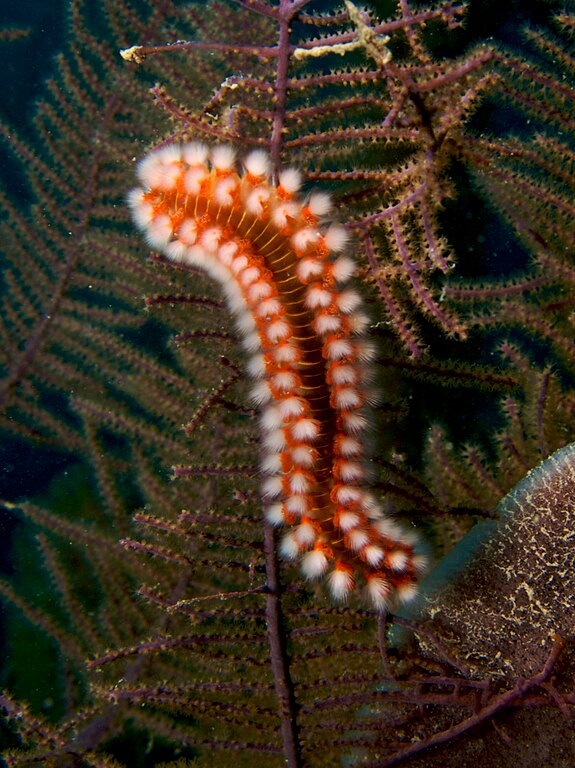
pixel 26 64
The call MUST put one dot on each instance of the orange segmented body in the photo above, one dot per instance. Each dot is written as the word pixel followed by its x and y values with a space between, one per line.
pixel 285 280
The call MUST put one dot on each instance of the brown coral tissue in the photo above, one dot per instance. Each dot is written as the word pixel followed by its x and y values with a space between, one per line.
pixel 149 619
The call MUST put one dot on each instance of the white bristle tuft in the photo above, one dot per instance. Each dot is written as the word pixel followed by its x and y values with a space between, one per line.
pixel 261 290
pixel 285 211
pixel 142 212
pixel 309 268
pixel 274 440
pixel 388 528
pixel 351 471
pixel 336 238
pixel 274 514
pixel 358 539
pixel 305 534
pixel 261 393
pixel 289 548
pixel 176 251
pixel 147 168
pixel 257 163
pixel 239 263
pixel 256 199
pixel 349 447
pixel 365 350
pixel 271 419
pixel 338 349
pixel 347 399
pixel 342 269
pixel 193 179
pixel 227 252
pixel 353 422
pixel 171 153
pixel 378 592
pixel 304 237
pixel 347 495
pixel 298 483
pixel 234 296
pixel 348 520
pixel 235 299
pixel 160 168
pixel 251 342
pixel 320 203
pixel 408 538
pixel 420 563
pixel 271 464
pixel 373 555
pixel 342 374
pixel 195 256
pixel 341 584
pixel 358 323
pixel 324 324
pixel 318 298
pixel 371 508
pixel 188 231
pixel 303 456
pixel 287 352
pixel 290 180
pixel 272 487
pixel 210 239
pixel 223 157
pixel 268 308
pixel 224 190
pixel 347 301
pixel 279 330
pixel 284 381
pixel 297 505
pixel 314 564
pixel 398 560
pixel 305 430
pixel 168 176
pixel 291 407
pixel 159 231
pixel 406 592
pixel 195 153
pixel 249 276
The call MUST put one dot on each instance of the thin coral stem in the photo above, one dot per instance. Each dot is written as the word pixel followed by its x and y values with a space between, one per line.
pixel 278 654
pixel 420 291
pixel 257 7
pixel 356 134
pixel 406 201
pixel 280 89
pixel 399 324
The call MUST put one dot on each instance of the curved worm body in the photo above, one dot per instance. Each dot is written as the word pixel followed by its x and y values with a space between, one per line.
pixel 285 279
